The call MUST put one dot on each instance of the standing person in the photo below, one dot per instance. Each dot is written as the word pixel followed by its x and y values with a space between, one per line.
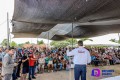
pixel 25 66
pixel 19 60
pixel 4 53
pixel 8 65
pixel 81 59
pixel 32 61
pixel 1 58
pixel 16 71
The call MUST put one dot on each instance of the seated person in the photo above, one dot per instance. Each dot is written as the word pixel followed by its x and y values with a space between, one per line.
pixel 60 64
pixel 55 63
pixel 41 62
pixel 92 59
pixel 63 63
pixel 50 64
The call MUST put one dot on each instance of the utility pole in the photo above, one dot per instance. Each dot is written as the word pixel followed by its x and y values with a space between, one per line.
pixel 10 38
pixel 48 40
pixel 8 30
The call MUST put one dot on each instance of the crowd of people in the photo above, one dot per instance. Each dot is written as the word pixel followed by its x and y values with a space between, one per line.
pixel 31 61
pixel 104 56
pixel 27 62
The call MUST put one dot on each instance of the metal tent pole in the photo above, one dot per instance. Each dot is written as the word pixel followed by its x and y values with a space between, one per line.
pixel 72 35
pixel 48 40
pixel 70 73
pixel 10 38
pixel 8 30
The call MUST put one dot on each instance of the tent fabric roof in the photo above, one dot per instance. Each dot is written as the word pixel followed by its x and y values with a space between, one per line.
pixel 35 18
pixel 80 31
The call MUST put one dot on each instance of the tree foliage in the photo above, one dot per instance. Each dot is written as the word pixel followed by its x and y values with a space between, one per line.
pixel 63 43
pixel 14 44
pixel 70 41
pixel 67 42
pixel 4 42
pixel 20 45
pixel 40 42
pixel 85 39
pixel 27 42
pixel 115 41
pixel 59 43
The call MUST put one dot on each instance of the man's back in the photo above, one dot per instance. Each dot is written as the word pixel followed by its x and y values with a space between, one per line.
pixel 81 55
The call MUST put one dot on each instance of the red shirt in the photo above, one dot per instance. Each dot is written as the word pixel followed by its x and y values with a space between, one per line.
pixel 31 62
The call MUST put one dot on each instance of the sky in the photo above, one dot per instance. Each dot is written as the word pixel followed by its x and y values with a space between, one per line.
pixel 8 6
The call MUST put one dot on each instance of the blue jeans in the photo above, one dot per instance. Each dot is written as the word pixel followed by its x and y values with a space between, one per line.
pixel 55 66
pixel 80 70
pixel 31 71
pixel 60 64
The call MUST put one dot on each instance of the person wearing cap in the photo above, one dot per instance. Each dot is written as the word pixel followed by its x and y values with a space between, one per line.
pixel 81 59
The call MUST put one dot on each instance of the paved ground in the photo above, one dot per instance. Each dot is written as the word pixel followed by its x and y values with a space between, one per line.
pixel 68 75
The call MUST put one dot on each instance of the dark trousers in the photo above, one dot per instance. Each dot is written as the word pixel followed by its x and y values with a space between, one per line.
pixel 18 70
pixel 80 71
pixel 31 72
pixel 111 62
pixel 96 62
pixel 14 77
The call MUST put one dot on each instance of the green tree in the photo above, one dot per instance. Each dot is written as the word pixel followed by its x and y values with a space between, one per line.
pixel 115 41
pixel 53 43
pixel 40 42
pixel 13 44
pixel 4 42
pixel 85 39
pixel 67 42
pixel 20 45
pixel 59 43
pixel 71 40
pixel 27 42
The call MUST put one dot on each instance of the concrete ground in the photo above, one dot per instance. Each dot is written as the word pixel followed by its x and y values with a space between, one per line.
pixel 69 75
